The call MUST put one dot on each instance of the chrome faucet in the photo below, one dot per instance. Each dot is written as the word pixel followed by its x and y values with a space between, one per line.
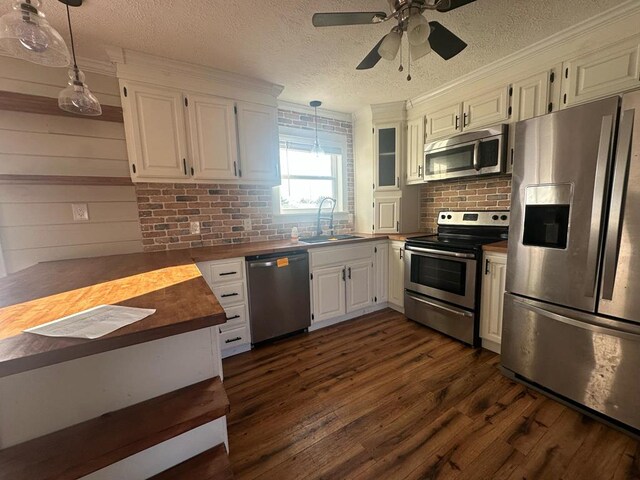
pixel 330 217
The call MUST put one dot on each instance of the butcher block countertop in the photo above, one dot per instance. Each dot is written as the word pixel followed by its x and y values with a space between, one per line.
pixel 168 281
pixel 500 247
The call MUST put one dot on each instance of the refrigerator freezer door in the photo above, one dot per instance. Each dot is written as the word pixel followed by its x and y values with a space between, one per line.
pixel 589 359
pixel 620 292
pixel 560 172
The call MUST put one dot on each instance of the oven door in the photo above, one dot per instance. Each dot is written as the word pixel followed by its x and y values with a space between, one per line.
pixel 447 276
pixel 477 157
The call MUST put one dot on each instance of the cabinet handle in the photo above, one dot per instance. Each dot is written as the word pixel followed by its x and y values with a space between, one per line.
pixel 457 121
pixel 184 165
pixel 349 273
pixel 465 119
pixel 233 340
pixel 229 295
pixel 420 170
pixel 401 253
pixel 398 226
pixel 486 267
pixel 344 274
pixel 233 318
pixel 235 169
pixel 223 274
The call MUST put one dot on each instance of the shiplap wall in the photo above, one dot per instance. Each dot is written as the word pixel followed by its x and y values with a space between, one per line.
pixel 36 221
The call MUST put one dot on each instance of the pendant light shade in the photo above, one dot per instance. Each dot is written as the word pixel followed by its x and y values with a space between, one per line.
pixel 316 149
pixel 419 51
pixel 77 98
pixel 26 34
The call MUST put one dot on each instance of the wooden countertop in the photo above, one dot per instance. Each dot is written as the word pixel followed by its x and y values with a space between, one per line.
pixel 500 247
pixel 168 281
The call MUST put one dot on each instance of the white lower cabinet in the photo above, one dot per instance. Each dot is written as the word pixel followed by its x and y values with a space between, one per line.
pixel 381 251
pixel 227 280
pixel 328 287
pixel 396 276
pixel 344 280
pixel 493 288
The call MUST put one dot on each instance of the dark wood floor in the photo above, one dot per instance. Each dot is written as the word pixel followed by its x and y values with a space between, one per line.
pixel 384 398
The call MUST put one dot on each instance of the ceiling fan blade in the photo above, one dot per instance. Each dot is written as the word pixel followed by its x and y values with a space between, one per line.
pixel 444 42
pixel 372 58
pixel 346 18
pixel 448 5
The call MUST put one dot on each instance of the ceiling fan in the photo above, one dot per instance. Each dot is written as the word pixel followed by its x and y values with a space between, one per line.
pixel 423 35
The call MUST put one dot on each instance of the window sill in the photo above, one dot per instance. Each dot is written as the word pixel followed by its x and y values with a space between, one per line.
pixel 306 217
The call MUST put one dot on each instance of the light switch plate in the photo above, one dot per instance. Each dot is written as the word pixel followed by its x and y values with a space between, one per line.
pixel 80 212
pixel 247 224
pixel 194 227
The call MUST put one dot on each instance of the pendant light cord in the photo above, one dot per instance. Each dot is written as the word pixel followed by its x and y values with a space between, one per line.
pixel 316 119
pixel 73 48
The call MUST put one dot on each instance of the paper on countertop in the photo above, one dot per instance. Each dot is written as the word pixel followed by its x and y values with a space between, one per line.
pixel 92 323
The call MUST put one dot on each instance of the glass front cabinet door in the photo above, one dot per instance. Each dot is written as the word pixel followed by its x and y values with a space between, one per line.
pixel 387 146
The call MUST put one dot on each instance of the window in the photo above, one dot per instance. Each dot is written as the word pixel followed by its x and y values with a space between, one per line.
pixel 307 177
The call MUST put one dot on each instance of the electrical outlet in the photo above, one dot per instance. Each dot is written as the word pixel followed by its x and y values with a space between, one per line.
pixel 247 224
pixel 80 212
pixel 195 228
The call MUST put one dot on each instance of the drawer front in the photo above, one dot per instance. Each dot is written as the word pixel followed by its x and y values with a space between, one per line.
pixel 340 254
pixel 234 338
pixel 227 271
pixel 231 294
pixel 236 318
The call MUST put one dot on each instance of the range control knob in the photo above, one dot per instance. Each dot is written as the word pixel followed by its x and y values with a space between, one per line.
pixel 448 217
pixel 495 217
pixel 442 217
pixel 503 217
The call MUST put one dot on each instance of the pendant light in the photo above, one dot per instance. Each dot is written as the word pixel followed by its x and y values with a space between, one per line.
pixel 25 33
pixel 316 149
pixel 76 97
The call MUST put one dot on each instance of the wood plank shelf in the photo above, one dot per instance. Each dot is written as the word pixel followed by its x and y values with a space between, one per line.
pixel 20 102
pixel 212 464
pixel 92 445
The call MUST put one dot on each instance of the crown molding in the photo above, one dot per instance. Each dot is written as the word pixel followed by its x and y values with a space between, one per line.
pixel 133 65
pixel 548 45
pixel 322 112
pixel 389 112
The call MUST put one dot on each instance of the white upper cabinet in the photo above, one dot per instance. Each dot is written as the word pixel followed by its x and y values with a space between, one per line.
pixel 387 154
pixel 155 131
pixel 609 71
pixel 258 142
pixel 387 214
pixel 212 130
pixel 415 151
pixel 444 122
pixel 531 96
pixel 487 109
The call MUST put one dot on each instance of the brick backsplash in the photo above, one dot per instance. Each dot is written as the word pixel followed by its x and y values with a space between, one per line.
pixel 478 194
pixel 166 209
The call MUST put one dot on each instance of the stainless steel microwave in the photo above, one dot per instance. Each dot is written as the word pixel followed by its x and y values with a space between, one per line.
pixel 481 152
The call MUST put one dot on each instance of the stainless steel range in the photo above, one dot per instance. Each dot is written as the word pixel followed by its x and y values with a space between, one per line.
pixel 443 272
pixel 572 311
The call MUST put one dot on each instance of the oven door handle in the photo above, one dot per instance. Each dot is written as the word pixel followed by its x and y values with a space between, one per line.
pixel 442 253
pixel 441 306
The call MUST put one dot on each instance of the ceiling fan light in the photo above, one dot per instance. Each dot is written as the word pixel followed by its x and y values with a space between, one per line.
pixel 25 33
pixel 77 98
pixel 418 29
pixel 390 45
pixel 419 51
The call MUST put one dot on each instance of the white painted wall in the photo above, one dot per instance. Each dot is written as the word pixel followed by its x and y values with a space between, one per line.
pixel 36 222
pixel 363 158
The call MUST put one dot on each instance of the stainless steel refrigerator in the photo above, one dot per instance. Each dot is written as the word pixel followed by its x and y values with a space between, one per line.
pixel 572 307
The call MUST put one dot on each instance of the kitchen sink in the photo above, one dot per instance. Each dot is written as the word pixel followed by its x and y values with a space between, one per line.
pixel 328 238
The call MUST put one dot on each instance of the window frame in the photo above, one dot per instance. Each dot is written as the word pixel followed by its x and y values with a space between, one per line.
pixel 332 140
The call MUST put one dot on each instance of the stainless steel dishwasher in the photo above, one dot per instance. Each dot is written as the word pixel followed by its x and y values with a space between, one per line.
pixel 279 299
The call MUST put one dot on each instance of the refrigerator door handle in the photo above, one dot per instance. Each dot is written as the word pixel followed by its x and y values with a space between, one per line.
pixel 604 147
pixel 612 247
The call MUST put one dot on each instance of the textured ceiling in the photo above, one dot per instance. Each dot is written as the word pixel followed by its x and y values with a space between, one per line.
pixel 275 41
